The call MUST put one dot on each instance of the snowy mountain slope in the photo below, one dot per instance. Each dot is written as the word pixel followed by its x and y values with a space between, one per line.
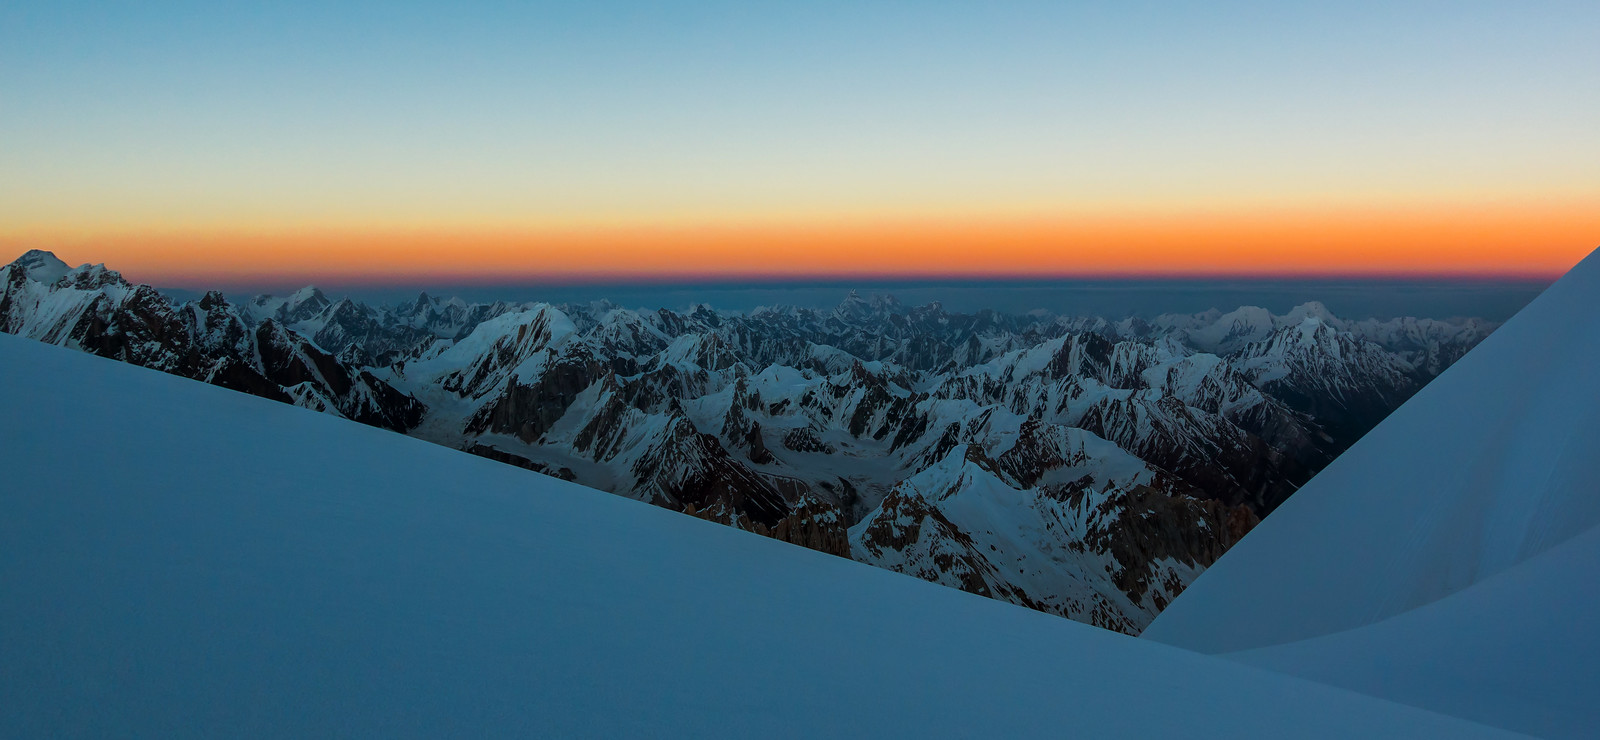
pixel 1468 531
pixel 1345 382
pixel 179 560
pixel 1071 526
pixel 1516 650
pixel 800 424
pixel 42 266
pixel 1490 464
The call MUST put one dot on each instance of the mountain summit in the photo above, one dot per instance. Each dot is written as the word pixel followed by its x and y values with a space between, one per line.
pixel 42 266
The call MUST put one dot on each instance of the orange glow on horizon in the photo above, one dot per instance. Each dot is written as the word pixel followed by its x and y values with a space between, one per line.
pixel 1487 240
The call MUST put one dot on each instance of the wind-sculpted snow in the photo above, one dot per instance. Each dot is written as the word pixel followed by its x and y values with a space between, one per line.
pixel 1447 559
pixel 803 424
pixel 183 561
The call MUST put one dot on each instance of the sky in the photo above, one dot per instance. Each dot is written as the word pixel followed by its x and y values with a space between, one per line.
pixel 203 143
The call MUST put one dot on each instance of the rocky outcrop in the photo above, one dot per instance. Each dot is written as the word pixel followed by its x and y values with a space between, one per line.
pixel 527 408
pixel 686 468
pixel 563 473
pixel 1085 534
pixel 815 524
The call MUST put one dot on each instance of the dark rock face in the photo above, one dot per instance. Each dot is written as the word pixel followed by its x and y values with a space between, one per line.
pixel 603 434
pixel 806 440
pixel 290 361
pixel 1117 457
pixel 693 469
pixel 364 335
pixel 1222 462
pixel 757 446
pixel 814 524
pixel 1165 530
pixel 1346 383
pixel 526 410
pixel 1137 539
pixel 521 462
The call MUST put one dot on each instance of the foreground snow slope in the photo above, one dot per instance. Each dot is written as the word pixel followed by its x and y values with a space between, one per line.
pixel 1448 559
pixel 178 559
pixel 1518 650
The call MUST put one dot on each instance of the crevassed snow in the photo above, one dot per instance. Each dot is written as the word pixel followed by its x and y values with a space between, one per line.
pixel 1415 564
pixel 181 560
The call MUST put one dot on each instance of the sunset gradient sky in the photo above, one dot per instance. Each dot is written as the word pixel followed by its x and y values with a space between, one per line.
pixel 194 143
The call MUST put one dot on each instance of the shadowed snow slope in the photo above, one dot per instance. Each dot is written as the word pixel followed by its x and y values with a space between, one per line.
pixel 1449 558
pixel 1518 650
pixel 178 559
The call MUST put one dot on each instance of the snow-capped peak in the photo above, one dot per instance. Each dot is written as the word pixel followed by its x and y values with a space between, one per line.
pixel 1312 309
pixel 1234 329
pixel 309 295
pixel 854 307
pixel 42 265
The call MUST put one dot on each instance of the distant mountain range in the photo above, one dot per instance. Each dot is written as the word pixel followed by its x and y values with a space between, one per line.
pixel 1090 467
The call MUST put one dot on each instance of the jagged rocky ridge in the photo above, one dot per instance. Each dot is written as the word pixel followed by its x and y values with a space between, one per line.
pixel 1087 467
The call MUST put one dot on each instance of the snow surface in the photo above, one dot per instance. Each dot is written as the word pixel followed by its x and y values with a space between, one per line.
pixel 177 559
pixel 1449 558
pixel 1517 650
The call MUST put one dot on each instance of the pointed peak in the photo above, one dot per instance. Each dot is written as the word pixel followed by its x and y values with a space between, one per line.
pixel 213 299
pixel 1312 327
pixel 42 265
pixel 1311 310
pixel 38 256
pixel 853 306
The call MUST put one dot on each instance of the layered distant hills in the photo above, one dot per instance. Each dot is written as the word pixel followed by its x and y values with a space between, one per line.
pixel 1090 467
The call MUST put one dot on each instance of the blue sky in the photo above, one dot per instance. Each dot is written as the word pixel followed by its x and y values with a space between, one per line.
pixel 129 117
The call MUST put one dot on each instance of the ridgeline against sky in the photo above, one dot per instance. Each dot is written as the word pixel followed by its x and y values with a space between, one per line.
pixel 189 143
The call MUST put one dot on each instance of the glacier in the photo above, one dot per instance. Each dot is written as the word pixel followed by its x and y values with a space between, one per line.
pixel 180 560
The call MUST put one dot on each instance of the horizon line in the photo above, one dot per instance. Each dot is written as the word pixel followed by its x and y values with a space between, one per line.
pixel 725 281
